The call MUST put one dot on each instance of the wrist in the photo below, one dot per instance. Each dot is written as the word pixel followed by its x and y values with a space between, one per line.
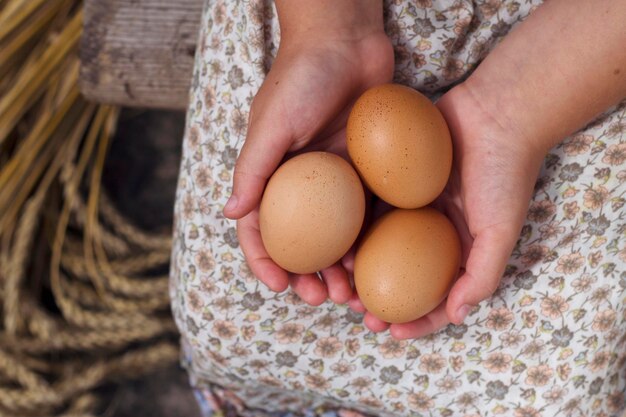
pixel 472 113
pixel 329 20
pixel 500 104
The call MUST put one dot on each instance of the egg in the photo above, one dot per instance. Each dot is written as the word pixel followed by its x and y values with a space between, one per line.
pixel 311 212
pixel 406 264
pixel 400 144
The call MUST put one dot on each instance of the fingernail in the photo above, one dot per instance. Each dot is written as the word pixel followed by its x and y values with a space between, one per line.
pixel 231 204
pixel 463 311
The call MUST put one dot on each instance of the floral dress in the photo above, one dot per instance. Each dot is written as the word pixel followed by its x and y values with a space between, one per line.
pixel 550 342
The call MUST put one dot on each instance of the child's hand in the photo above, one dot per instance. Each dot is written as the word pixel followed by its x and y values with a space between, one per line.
pixel 487 198
pixel 503 120
pixel 302 106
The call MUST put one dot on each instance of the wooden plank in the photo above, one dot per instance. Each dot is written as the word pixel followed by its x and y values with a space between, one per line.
pixel 139 53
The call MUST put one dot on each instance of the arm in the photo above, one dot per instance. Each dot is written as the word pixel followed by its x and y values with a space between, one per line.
pixel 561 67
pixel 330 19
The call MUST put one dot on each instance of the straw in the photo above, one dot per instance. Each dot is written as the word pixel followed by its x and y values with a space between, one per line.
pixel 60 242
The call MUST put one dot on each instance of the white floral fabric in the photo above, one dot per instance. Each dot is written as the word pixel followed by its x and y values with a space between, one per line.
pixel 550 342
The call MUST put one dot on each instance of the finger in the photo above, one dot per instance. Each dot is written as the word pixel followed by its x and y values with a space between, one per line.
pixel 485 265
pixel 430 323
pixel 348 260
pixel 355 304
pixel 309 288
pixel 261 265
pixel 266 143
pixel 374 323
pixel 337 283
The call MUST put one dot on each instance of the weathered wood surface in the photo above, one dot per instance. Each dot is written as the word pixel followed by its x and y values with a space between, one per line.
pixel 139 53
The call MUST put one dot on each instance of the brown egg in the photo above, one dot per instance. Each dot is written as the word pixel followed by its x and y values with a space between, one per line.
pixel 406 264
pixel 400 144
pixel 311 212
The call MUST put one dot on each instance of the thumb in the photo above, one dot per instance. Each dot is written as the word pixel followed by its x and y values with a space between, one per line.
pixel 267 141
pixel 485 265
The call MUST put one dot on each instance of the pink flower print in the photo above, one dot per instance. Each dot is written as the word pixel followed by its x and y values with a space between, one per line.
pixel 248 333
pixel 568 264
pixel 239 350
pixel 534 253
pixel 571 209
pixel 551 231
pixel 604 320
pixel 203 177
pixel 224 329
pixel 349 413
pixel 453 69
pixel 432 363
pixel 193 137
pixel 195 301
pixel 499 319
pixel 595 197
pixel 490 7
pixel 541 211
pixel 205 261
pixel 533 349
pixel 512 338
pixel 343 368
pixel 539 375
pixel 527 411
pixel 583 283
pixel 529 317
pixel 239 122
pixel 622 254
pixel 448 383
pixel 328 347
pixel 361 383
pixel 352 346
pixel 563 371
pixel 457 363
pixel 392 348
pixel 497 362
pixel 615 401
pixel 615 154
pixel 420 401
pixel 554 306
pixel 577 144
pixel 460 26
pixel 599 361
pixel 595 258
pixel 188 206
pixel 600 295
pixel 289 333
pixel 317 382
pixel 370 402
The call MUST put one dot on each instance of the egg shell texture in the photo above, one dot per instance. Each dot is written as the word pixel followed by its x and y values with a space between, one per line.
pixel 311 212
pixel 400 144
pixel 406 264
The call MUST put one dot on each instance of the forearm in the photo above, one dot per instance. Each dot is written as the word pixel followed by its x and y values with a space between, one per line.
pixel 344 19
pixel 557 70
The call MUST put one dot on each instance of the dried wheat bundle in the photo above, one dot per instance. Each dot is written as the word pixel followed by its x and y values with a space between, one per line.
pixel 80 302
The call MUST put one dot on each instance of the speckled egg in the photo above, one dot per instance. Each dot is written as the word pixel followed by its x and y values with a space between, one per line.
pixel 406 264
pixel 400 144
pixel 311 212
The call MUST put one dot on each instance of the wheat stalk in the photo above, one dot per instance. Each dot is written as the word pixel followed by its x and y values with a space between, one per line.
pixel 53 145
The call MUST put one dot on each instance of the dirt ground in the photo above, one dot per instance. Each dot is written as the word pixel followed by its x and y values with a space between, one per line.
pixel 140 175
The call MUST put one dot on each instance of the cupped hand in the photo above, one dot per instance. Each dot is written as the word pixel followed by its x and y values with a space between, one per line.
pixel 302 105
pixel 487 197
